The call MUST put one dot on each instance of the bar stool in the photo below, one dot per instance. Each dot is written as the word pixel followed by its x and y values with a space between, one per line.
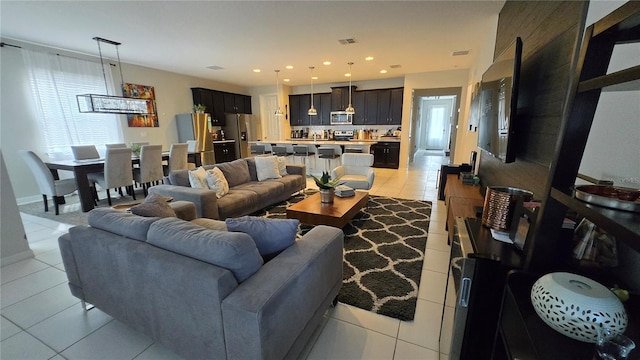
pixel 353 150
pixel 328 154
pixel 257 149
pixel 302 151
pixel 281 151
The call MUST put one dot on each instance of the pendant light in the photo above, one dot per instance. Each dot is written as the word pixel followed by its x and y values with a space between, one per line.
pixel 108 104
pixel 350 109
pixel 278 111
pixel 312 110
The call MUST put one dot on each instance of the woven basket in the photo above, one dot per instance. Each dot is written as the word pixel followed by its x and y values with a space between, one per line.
pixel 499 206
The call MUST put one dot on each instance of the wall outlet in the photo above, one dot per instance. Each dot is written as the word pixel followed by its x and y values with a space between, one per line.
pixel 143 134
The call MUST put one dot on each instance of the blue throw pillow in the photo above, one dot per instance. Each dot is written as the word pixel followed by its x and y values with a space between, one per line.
pixel 271 236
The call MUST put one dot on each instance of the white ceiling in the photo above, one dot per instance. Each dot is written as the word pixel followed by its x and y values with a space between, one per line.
pixel 187 36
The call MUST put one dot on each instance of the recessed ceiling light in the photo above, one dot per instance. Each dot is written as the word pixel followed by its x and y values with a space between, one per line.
pixel 289 67
pixel 383 71
pixel 326 63
pixel 256 70
pixel 286 80
pixel 369 58
pixel 347 75
pixel 314 77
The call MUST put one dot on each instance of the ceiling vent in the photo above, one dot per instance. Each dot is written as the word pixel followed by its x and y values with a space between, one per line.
pixel 396 66
pixel 215 67
pixel 460 53
pixel 347 41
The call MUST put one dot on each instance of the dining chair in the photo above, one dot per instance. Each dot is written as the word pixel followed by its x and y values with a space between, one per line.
pixel 192 145
pixel 150 170
pixel 177 158
pixel 116 145
pixel 117 173
pixel 85 152
pixel 57 189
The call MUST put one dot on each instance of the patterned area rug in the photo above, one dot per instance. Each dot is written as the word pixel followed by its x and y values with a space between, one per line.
pixel 384 249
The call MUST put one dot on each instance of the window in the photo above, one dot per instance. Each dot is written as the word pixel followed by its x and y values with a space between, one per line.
pixel 55 81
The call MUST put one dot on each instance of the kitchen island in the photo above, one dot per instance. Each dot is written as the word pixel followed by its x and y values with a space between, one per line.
pixel 315 165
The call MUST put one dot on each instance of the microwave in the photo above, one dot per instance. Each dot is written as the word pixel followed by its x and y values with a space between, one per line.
pixel 341 118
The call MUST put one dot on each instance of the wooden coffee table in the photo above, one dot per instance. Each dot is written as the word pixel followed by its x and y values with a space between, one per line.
pixel 338 214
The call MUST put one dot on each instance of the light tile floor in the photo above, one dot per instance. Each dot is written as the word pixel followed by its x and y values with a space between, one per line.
pixel 40 319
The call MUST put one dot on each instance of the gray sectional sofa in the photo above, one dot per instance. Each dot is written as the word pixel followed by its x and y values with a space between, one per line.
pixel 246 195
pixel 158 276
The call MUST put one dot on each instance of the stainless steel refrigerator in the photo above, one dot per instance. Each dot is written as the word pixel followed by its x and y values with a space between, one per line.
pixel 196 127
pixel 240 128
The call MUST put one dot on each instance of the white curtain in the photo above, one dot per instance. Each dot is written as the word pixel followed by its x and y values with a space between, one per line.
pixel 55 81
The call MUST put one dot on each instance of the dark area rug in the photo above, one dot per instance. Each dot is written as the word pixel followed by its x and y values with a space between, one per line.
pixel 384 249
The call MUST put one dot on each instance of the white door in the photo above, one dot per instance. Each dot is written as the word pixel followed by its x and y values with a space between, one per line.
pixel 436 118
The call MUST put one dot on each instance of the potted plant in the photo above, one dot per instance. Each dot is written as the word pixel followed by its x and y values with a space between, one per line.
pixel 326 186
pixel 135 149
pixel 199 108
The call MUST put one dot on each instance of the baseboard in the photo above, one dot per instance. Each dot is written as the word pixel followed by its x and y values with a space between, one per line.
pixel 29 199
pixel 16 257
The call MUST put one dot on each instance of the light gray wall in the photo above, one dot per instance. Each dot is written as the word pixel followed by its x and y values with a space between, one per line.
pixel 13 240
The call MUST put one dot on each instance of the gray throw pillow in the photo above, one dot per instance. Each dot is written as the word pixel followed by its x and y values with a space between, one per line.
pixel 271 236
pixel 154 205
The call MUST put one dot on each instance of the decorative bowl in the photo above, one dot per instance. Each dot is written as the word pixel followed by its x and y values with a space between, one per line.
pixel 577 306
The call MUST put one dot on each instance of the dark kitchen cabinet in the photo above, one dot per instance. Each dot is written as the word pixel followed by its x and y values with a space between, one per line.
pixel 366 106
pixel 386 155
pixel 340 97
pixel 224 152
pixel 324 109
pixel 298 109
pixel 237 103
pixel 203 96
pixel 390 106
pixel 217 114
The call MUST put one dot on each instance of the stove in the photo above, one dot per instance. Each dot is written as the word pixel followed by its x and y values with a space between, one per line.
pixel 343 135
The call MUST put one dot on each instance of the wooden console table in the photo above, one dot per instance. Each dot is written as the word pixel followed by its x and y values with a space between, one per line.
pixel 460 200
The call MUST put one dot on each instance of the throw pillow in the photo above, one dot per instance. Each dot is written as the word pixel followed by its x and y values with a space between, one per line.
pixel 282 165
pixel 271 236
pixel 217 182
pixel 154 205
pixel 198 178
pixel 267 167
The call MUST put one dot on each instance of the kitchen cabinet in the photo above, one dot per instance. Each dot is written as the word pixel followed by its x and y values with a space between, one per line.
pixel 317 119
pixel 366 105
pixel 324 109
pixel 386 155
pixel 390 106
pixel 298 110
pixel 340 97
pixel 217 114
pixel 224 152
pixel 237 103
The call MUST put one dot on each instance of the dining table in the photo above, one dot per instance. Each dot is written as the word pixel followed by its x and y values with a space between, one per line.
pixel 81 168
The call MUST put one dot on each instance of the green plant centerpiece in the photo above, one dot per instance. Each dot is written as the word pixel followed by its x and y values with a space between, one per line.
pixel 327 187
pixel 199 108
pixel 135 149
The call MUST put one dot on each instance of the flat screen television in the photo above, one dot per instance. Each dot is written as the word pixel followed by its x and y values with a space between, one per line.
pixel 499 103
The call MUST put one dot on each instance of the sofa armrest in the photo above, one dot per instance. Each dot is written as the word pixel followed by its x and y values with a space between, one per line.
pixel 297 169
pixel 205 200
pixel 337 172
pixel 265 315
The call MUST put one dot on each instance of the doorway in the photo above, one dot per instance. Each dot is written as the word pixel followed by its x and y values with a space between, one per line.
pixel 434 121
pixel 273 129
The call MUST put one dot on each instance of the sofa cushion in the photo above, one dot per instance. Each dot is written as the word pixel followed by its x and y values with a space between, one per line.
pixel 266 191
pixel 217 182
pixel 238 202
pixel 198 178
pixel 179 178
pixel 282 165
pixel 236 172
pixel 270 235
pixel 267 168
pixel 121 223
pixel 231 250
pixel 154 205
pixel 210 224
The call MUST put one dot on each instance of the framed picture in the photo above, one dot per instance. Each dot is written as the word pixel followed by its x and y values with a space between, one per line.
pixel 141 92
